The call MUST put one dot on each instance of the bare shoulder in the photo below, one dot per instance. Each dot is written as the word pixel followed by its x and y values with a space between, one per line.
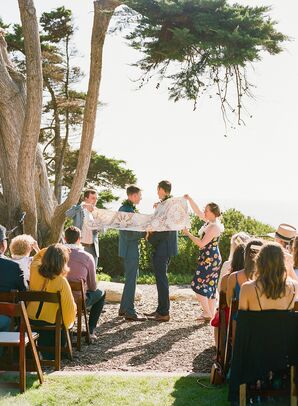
pixel 248 286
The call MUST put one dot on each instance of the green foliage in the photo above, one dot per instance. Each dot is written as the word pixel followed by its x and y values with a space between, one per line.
pixel 101 276
pixel 185 262
pixel 103 172
pixel 202 44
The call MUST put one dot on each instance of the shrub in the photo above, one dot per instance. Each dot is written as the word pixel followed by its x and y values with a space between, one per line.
pixel 185 263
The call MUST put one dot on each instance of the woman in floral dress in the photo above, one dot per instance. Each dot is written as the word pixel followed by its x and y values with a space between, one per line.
pixel 205 281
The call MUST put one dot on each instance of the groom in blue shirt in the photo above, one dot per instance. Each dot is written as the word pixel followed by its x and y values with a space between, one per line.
pixel 129 251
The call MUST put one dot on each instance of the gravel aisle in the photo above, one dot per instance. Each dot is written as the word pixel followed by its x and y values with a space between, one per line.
pixel 179 345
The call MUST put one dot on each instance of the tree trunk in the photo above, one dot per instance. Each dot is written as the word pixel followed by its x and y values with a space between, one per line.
pixel 103 11
pixel 24 181
pixel 30 133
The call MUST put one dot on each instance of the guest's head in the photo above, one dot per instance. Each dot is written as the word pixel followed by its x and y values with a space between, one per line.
pixel 3 240
pixel 251 250
pixel 164 188
pixel 21 245
pixel 295 252
pixel 237 263
pixel 236 239
pixel 212 211
pixel 54 261
pixel 284 234
pixel 72 235
pixel 271 270
pixel 90 196
pixel 134 194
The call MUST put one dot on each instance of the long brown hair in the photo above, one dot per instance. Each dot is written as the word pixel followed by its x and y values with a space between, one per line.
pixel 271 270
pixel 249 256
pixel 54 261
pixel 295 252
pixel 238 258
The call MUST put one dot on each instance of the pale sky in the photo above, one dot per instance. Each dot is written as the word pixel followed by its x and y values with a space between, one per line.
pixel 253 169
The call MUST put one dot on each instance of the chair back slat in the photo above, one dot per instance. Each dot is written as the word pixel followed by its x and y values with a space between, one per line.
pixel 39 296
pixel 10 309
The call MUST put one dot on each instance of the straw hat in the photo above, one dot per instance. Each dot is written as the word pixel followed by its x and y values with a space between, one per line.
pixel 284 232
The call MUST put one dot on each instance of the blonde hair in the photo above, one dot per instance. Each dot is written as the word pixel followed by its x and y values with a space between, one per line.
pixel 237 239
pixel 21 245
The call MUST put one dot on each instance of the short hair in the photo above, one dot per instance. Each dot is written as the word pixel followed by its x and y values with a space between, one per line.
pixel 132 189
pixel 54 261
pixel 89 192
pixel 21 244
pixel 72 234
pixel 165 185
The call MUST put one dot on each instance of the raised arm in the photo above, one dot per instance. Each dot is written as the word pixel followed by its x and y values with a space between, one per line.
pixel 195 208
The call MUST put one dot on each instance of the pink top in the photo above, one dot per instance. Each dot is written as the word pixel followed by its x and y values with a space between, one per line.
pixel 82 266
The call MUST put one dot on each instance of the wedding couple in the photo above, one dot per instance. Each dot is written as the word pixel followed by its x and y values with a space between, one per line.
pixel 165 245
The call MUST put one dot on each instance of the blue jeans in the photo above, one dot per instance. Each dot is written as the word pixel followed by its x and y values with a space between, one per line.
pixel 95 300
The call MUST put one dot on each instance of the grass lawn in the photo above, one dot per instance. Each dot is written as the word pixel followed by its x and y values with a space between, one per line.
pixel 107 391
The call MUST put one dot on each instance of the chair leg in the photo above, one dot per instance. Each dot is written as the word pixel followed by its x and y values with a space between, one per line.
pixel 88 339
pixel 37 362
pixel 22 365
pixel 58 348
pixel 242 394
pixel 293 387
pixel 68 343
pixel 79 329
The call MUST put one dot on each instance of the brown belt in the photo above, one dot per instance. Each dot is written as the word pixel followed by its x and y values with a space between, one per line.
pixel 87 245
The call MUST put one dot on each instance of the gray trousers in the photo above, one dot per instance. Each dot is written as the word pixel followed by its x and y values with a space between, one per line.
pixel 131 269
pixel 92 251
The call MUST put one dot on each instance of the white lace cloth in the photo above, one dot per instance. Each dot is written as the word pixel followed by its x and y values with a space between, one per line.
pixel 170 215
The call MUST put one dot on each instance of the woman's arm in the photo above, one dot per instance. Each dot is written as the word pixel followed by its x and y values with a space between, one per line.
pixel 210 233
pixel 68 305
pixel 231 288
pixel 195 208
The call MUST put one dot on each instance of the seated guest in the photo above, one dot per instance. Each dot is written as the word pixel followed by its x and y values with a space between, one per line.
pixel 11 276
pixel 272 289
pixel 236 279
pixel 82 266
pixel 237 264
pixel 236 239
pixel 20 249
pixel 284 235
pixel 48 273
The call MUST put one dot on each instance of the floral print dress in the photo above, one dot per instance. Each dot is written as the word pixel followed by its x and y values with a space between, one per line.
pixel 206 277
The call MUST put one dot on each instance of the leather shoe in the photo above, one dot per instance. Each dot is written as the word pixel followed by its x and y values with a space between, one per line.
pixel 121 313
pixel 161 318
pixel 134 317
pixel 153 314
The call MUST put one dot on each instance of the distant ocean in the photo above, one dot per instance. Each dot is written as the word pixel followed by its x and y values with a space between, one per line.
pixel 271 212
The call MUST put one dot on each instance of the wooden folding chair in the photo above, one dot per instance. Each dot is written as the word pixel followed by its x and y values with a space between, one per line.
pixel 19 339
pixel 296 306
pixel 230 336
pixel 80 300
pixel 222 328
pixel 48 297
pixel 270 392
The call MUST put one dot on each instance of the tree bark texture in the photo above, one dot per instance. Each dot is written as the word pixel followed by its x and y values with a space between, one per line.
pixel 24 182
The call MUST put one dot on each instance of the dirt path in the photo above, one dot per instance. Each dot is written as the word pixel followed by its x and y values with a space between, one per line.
pixel 179 345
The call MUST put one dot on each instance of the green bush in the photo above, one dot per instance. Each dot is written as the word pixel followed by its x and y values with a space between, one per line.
pixel 186 261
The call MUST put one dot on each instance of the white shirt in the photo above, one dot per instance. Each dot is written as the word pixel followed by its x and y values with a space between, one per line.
pixel 87 234
pixel 24 263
